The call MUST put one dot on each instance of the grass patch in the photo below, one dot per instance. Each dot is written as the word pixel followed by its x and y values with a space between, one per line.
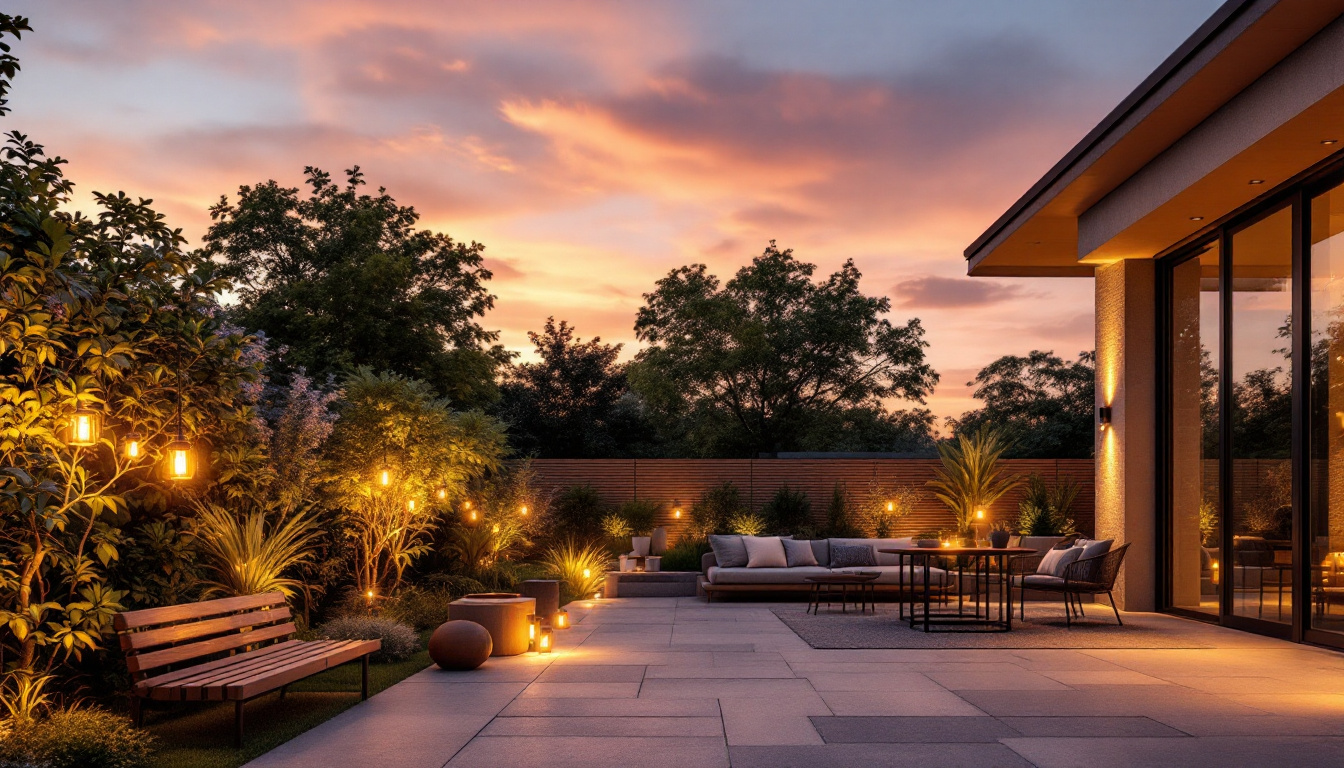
pixel 201 735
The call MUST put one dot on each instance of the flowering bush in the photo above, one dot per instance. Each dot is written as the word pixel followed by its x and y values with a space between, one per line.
pixel 76 738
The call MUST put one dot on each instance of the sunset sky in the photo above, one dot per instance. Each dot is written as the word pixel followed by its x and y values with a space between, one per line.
pixel 594 146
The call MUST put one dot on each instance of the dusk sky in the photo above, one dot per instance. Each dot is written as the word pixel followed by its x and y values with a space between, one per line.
pixel 595 146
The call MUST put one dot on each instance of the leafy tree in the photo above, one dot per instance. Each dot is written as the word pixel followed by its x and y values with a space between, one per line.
pixel 340 279
pixel 750 365
pixel 578 511
pixel 574 402
pixel 110 315
pixel 788 511
pixel 1042 404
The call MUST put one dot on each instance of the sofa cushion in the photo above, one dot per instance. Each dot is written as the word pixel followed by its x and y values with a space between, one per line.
pixel 1093 548
pixel 799 553
pixel 852 556
pixel 764 575
pixel 1041 543
pixel 1056 560
pixel 821 549
pixel 765 552
pixel 891 574
pixel 1038 580
pixel 729 551
pixel 876 544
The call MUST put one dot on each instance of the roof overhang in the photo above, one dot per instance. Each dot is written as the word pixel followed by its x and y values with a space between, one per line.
pixel 1250 95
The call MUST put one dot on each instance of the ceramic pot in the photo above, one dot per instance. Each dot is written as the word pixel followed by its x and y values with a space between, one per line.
pixel 653 564
pixel 641 544
pixel 658 543
pixel 999 539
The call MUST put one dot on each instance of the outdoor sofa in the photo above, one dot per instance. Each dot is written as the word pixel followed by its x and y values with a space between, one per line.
pixel 716 579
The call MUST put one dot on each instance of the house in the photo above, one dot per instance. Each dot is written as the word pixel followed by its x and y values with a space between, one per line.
pixel 1208 208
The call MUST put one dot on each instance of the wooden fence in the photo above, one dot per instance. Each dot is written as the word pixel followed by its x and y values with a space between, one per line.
pixel 677 483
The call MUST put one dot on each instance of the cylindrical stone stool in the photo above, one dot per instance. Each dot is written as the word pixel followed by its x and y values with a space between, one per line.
pixel 547 594
pixel 504 616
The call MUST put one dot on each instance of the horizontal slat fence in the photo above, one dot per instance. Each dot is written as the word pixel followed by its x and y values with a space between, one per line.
pixel 673 482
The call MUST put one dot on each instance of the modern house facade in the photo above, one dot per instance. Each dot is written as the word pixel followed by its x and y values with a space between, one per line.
pixel 1208 207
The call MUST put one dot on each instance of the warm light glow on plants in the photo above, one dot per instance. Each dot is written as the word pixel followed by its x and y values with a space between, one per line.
pixel 133 449
pixel 384 477
pixel 523 511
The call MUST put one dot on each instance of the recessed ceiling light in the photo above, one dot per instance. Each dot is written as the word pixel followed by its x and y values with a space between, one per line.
pixel 1257 181
pixel 1328 142
pixel 1196 218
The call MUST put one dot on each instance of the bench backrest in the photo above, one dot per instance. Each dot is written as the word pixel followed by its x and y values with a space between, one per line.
pixel 154 638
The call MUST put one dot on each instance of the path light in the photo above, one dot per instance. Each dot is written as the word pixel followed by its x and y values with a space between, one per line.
pixel 86 426
pixel 587 573
pixel 544 639
pixel 562 619
pixel 533 631
pixel 133 450
pixel 523 511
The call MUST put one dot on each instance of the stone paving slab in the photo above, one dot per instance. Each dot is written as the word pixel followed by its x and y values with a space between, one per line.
pixel 605 726
pixel 879 756
pixel 1211 752
pixel 587 751
pixel 900 730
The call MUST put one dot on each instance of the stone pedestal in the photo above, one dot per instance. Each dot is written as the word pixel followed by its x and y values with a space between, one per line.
pixel 547 594
pixel 504 616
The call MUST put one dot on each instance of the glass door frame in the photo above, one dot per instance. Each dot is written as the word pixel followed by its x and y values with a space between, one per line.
pixel 1297 194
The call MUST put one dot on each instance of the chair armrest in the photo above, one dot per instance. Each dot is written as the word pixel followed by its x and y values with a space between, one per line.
pixel 708 561
pixel 1024 564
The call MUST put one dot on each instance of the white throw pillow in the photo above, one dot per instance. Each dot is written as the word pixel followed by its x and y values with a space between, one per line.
pixel 1056 560
pixel 765 552
pixel 799 553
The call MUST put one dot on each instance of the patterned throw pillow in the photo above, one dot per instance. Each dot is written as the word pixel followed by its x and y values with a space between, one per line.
pixel 852 556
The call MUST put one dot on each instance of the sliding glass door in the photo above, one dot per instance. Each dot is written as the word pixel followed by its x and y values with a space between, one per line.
pixel 1326 413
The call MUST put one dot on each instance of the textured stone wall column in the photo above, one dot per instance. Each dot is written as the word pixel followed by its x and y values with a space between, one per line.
pixel 1125 453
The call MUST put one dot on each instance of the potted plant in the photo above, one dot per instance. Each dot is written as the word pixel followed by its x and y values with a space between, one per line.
pixel 640 515
pixel 1000 534
pixel 970 478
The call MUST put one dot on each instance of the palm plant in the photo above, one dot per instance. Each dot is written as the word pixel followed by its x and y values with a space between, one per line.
pixel 247 556
pixel 970 478
pixel 23 696
pixel 580 567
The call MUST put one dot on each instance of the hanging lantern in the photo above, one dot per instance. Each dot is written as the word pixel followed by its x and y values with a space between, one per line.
pixel 466 504
pixel 443 494
pixel 410 505
pixel 523 511
pixel 86 427
pixel 562 619
pixel 587 573
pixel 133 448
pixel 495 529
pixel 384 477
pixel 472 517
pixel 181 460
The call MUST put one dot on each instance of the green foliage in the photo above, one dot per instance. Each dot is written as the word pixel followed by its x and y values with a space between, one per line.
pixel 399 641
pixel 159 563
pixel 581 568
pixel 753 364
pixel 787 512
pixel 969 478
pixel 1044 508
pixel 1042 405
pixel 839 521
pixel 456 586
pixel 710 513
pixel 506 575
pixel 250 555
pixel 640 515
pixel 24 696
pixel 388 421
pixel 578 511
pixel 574 402
pixel 421 607
pixel 884 505
pixel 13 26
pixel 685 555
pixel 746 523
pixel 1208 523
pixel 77 738
pixel 616 527
pixel 344 279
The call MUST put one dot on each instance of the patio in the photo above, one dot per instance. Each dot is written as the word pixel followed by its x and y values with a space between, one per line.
pixel 675 682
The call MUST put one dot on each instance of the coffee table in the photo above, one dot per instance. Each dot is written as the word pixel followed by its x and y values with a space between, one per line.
pixel 993 614
pixel 826 585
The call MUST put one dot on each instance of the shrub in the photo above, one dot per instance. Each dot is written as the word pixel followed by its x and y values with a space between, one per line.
pixel 640 514
pixel 77 738
pixel 578 512
pixel 685 555
pixel 505 575
pixel 248 555
pixel 970 477
pixel 615 526
pixel 399 640
pixel 746 523
pixel 838 521
pixel 581 568
pixel 884 505
pixel 456 585
pixel 422 608
pixel 710 513
pixel 1044 509
pixel 787 512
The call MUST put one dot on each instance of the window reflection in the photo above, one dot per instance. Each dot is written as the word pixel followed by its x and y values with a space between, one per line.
pixel 1327 411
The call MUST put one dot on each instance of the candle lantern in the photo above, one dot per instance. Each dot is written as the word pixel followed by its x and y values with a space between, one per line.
pixel 534 629
pixel 133 448
pixel 181 460
pixel 544 639
pixel 562 619
pixel 86 427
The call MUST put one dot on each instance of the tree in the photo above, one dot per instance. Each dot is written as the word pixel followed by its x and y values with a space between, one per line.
pixel 573 402
pixel 750 365
pixel 337 279
pixel 107 315
pixel 1042 405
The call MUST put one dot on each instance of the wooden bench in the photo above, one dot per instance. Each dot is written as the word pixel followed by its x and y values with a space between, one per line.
pixel 233 649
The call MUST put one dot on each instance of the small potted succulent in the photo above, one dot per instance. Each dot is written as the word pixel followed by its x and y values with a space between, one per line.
pixel 1000 534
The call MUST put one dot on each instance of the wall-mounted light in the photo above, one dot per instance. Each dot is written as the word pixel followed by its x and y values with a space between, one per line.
pixel 1328 142
pixel 1196 218
pixel 1256 181
pixel 891 506
pixel 523 510
pixel 1104 416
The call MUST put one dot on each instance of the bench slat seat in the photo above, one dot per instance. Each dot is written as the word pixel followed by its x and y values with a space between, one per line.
pixel 232 649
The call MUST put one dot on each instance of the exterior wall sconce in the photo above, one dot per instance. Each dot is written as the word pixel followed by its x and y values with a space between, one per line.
pixel 1104 417
pixel 523 510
